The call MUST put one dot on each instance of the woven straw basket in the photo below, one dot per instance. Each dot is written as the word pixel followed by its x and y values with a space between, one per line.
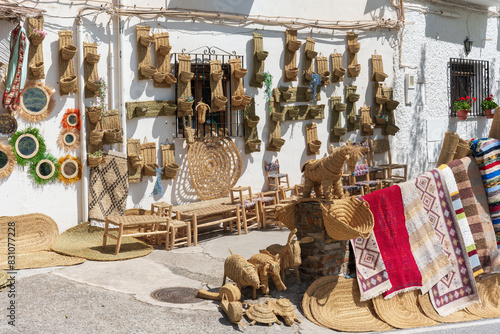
pixel 68 52
pixel 252 120
pixel 348 219
pixel 36 39
pixel 170 170
pixel 92 58
pixel 68 84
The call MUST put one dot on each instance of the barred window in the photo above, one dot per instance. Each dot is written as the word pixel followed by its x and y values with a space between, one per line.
pixel 469 78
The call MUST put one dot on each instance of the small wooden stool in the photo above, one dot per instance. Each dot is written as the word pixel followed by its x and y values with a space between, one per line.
pixel 249 207
pixel 172 226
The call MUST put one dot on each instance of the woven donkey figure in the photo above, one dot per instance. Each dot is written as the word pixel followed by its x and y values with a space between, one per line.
pixel 242 272
pixel 268 265
pixel 324 175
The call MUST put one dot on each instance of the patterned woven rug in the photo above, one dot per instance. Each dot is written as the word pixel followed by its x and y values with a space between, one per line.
pixel 475 203
pixel 431 259
pixel 108 187
pixel 458 289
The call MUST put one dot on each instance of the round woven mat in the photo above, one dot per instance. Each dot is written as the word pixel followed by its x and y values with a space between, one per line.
pixel 214 166
pixel 34 232
pixel 458 316
pixel 41 259
pixel 489 293
pixel 85 241
pixel 402 311
pixel 334 303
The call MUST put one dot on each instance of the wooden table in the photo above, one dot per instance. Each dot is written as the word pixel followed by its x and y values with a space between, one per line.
pixel 122 221
pixel 198 217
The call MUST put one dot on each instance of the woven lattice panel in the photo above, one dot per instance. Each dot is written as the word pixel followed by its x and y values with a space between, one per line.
pixel 308 59
pixel 214 166
pixel 35 52
pixel 89 70
pixel 162 61
pixel 66 67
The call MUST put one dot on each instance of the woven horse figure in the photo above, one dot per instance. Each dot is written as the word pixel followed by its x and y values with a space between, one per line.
pixel 324 175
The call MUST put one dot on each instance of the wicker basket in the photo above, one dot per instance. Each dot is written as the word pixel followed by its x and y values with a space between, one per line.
pixel 348 219
pixel 170 79
pixel 135 160
pixel 314 146
pixel 339 131
pixel 184 106
pixel 354 48
pixel 391 129
pixel 254 145
pixel 354 119
pixel 148 71
pixel 240 73
pixel 261 55
pixel 292 73
pixel 391 105
pixel 278 116
pixel 353 97
pixel 92 86
pixel 380 99
pixel 380 120
pixel 311 54
pixel 252 120
pixel 293 112
pixel 260 77
pixel 220 101
pixel 308 75
pixel 68 52
pixel 246 99
pixel 236 101
pixel 94 115
pixel 286 95
pixel 159 77
pixel 68 84
pixel 315 111
pixel 146 40
pixel 95 137
pixel 340 106
pixel 114 135
pixel 94 161
pixel 149 169
pixel 354 70
pixel 186 77
pixel 339 72
pixel 277 143
pixel 92 58
pixel 36 39
pixel 217 75
pixel 164 49
pixel 325 76
pixel 379 76
pixel 140 111
pixel 170 170
pixel 294 45
pixel 37 68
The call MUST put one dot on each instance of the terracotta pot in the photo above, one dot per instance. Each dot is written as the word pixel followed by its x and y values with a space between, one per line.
pixel 240 73
pixel 462 114
pixel 170 79
pixel 164 49
pixel 261 55
pixel 311 54
pixel 294 45
pixel 489 113
pixel 291 74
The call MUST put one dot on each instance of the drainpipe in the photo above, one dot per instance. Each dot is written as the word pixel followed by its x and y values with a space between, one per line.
pixel 120 64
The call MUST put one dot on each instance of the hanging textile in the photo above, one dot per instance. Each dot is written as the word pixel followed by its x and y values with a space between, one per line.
pixel 17 71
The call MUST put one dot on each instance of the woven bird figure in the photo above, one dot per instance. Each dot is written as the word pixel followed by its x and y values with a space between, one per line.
pixel 325 174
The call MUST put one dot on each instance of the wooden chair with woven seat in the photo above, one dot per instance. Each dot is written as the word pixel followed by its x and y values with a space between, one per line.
pixel 379 146
pixel 249 207
pixel 275 179
pixel 179 231
pixel 268 201
pixel 363 171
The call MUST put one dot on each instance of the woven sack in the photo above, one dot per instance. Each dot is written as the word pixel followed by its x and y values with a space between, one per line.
pixel 348 219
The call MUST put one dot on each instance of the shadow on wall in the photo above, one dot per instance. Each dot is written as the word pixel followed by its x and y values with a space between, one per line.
pixel 372 6
pixel 454 30
pixel 498 35
pixel 228 6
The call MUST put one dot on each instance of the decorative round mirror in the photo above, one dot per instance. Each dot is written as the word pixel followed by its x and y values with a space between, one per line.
pixel 7 160
pixel 27 146
pixel 46 169
pixel 71 119
pixel 36 102
pixel 69 139
pixel 8 125
pixel 71 169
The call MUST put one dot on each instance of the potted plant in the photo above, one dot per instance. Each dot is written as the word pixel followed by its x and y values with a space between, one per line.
pixel 186 104
pixel 94 159
pixel 97 108
pixel 37 36
pixel 462 106
pixel 268 82
pixel 487 105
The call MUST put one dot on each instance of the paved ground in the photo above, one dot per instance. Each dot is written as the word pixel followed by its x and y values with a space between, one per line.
pixel 114 297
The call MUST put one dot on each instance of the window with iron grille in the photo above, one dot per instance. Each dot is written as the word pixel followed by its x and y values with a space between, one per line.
pixel 469 78
pixel 219 123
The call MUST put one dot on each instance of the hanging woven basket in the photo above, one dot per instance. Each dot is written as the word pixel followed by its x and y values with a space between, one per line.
pixel 339 72
pixel 348 219
pixel 293 112
pixel 184 106
pixel 159 77
pixel 146 40
pixel 315 111
pixel 354 70
pixel 36 39
pixel 220 101
pixel 217 75
pixel 391 129
pixel 391 105
pixel 135 160
pixel 261 55
pixel 149 169
pixel 354 48
pixel 314 146
pixel 113 136
pixel 353 97
pixel 94 115
pixel 294 45
pixel 201 111
pixel 245 100
pixel 37 69
pixel 339 131
pixel 170 170
pixel 277 116
pixel 95 138
pixel 325 76
pixel 92 86
pixel 292 73
pixel 170 79
pixel 92 58
pixel 240 73
pixel 186 77
pixel 68 84
pixel 94 161
pixel 340 106
pixel 260 77
pixel 68 51
pixel 252 120
pixel 164 49
pixel 236 101
pixel 379 76
pixel 148 71
pixel 380 119
pixel 380 99
pixel 254 145
pixel 311 54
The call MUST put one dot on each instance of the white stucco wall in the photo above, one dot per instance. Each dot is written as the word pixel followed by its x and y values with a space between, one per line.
pixel 20 195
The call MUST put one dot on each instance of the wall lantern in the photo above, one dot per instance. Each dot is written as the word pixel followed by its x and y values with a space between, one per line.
pixel 467 45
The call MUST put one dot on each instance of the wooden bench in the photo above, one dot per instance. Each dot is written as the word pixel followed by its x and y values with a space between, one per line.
pixel 122 221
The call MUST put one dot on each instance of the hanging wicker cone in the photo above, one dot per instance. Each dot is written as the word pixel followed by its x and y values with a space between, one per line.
pixel 254 145
pixel 146 40
pixel 94 115
pixel 217 75
pixel 135 160
pixel 186 77
pixel 294 45
pixel 220 101
pixel 92 58
pixel 277 143
pixel 354 119
pixel 261 313
pixel 354 70
pixel 284 308
pixel 92 86
pixel 380 99
pixel 314 146
pixel 291 73
pixel 37 68
pixel 170 170
pixel 201 110
pixel 391 105
pixel 277 116
pixel 148 71
pixel 236 100
pixel 170 79
pixel 245 100
pixel 252 120
pixel 68 84
pixel 348 219
pixel 68 51
pixel 311 54
pixel 339 72
pixel 159 77
pixel 340 106
pixel 354 48
pixel 314 111
pixel 353 97
pixel 240 73
pixel 261 55
pixel 94 161
pixel 379 76
pixel 164 49
pixel 36 39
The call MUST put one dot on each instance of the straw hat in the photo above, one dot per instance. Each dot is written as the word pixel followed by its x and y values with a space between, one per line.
pixel 85 241
pixel 41 259
pixel 489 293
pixel 402 311
pixel 335 304
pixel 459 316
